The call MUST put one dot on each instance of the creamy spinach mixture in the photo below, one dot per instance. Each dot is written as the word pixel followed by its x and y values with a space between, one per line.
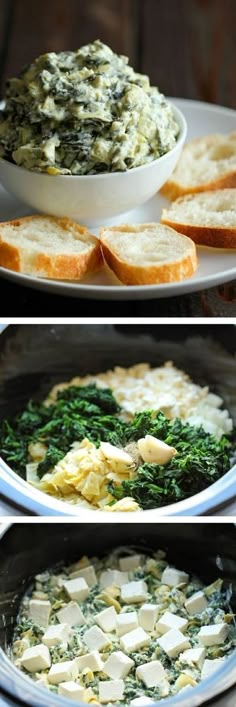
pixel 127 628
pixel 84 112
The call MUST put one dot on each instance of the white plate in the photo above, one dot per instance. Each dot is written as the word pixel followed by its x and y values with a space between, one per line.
pixel 216 265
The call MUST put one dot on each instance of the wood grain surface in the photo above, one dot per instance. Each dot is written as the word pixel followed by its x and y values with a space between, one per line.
pixel 186 46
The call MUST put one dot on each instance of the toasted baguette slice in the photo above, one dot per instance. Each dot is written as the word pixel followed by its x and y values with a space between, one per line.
pixel 205 163
pixel 148 253
pixel 209 218
pixel 46 246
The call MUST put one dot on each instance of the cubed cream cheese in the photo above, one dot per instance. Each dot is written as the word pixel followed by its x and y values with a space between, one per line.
pixel 72 690
pixel 147 616
pixel 39 611
pixel 77 589
pixel 142 701
pixel 118 665
pixel 71 614
pixel 134 640
pixel 152 674
pixel 134 592
pixel 130 563
pixel 173 577
pixel 36 658
pixel 113 577
pixel 111 690
pixel 196 603
pixel 95 639
pixel 173 642
pixel 91 660
pixel 88 573
pixel 169 621
pixel 126 622
pixel 210 666
pixel 106 619
pixel 56 634
pixel 193 656
pixel 213 634
pixel 66 671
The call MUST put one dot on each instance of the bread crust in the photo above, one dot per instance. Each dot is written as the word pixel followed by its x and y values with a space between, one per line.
pixel 9 256
pixel 147 275
pixel 173 189
pixel 214 237
pixel 72 266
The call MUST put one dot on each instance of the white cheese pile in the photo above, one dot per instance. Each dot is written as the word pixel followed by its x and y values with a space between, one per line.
pixel 164 388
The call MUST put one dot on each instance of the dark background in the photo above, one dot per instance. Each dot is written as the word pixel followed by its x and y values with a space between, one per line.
pixel 186 46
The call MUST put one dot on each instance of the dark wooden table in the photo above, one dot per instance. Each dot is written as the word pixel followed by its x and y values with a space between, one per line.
pixel 188 49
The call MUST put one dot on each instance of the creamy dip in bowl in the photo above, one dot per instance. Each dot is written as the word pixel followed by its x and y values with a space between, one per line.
pixel 83 135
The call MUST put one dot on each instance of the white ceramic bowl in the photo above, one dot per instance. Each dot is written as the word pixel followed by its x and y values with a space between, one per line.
pixel 92 199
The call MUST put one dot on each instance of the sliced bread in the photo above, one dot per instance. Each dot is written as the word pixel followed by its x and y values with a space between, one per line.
pixel 148 253
pixel 205 163
pixel 208 218
pixel 46 246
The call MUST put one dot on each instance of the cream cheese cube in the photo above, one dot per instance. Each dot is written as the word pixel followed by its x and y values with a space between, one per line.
pixel 71 614
pixel 91 660
pixel 152 674
pixel 196 603
pixel 111 690
pixel 63 672
pixel 36 658
pixel 193 656
pixel 173 642
pixel 134 640
pixel 210 666
pixel 109 577
pixel 95 639
pixel 118 665
pixel 39 611
pixel 147 616
pixel 173 577
pixel 106 619
pixel 169 621
pixel 126 622
pixel 77 589
pixel 213 634
pixel 72 690
pixel 56 634
pixel 88 573
pixel 142 701
pixel 130 563
pixel 134 592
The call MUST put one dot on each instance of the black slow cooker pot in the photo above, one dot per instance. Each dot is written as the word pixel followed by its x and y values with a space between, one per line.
pixel 34 357
pixel 208 550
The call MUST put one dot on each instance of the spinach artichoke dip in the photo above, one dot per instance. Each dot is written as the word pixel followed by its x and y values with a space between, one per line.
pixel 84 112
pixel 127 628
pixel 123 440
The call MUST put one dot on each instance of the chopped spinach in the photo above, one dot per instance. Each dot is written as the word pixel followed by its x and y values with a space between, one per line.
pixel 201 460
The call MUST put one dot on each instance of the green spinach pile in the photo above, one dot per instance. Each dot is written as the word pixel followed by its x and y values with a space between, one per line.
pixel 94 413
